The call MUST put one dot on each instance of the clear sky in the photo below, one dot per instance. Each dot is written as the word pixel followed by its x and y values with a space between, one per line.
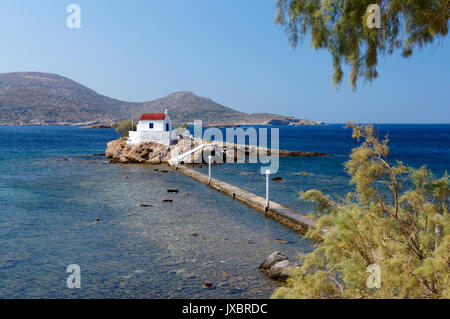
pixel 227 50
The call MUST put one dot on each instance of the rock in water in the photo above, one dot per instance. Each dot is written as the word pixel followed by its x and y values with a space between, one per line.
pixel 118 151
pixel 207 285
pixel 281 270
pixel 277 266
pixel 272 260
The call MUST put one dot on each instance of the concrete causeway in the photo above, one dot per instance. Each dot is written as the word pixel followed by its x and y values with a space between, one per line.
pixel 289 217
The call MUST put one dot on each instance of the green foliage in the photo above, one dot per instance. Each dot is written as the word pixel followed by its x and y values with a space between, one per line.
pixel 397 218
pixel 340 27
pixel 124 127
pixel 181 126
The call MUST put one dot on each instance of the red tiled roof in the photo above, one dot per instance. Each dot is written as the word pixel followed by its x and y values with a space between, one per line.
pixel 152 117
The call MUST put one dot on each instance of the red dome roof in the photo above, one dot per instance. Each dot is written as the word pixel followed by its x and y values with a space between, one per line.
pixel 152 117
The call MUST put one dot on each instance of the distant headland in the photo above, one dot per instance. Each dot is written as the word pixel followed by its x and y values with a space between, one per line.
pixel 35 98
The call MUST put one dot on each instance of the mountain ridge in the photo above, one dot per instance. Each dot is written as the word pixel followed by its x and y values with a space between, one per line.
pixel 28 98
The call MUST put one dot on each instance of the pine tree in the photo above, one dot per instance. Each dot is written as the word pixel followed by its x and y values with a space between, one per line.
pixel 340 26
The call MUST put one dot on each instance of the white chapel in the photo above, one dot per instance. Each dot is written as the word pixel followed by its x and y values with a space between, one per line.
pixel 153 127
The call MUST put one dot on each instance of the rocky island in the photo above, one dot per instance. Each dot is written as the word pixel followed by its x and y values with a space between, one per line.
pixel 118 151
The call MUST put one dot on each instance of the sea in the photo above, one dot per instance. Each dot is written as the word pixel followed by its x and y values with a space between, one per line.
pixel 62 203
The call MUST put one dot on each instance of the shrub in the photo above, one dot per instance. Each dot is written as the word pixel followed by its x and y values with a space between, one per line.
pixel 397 218
pixel 123 127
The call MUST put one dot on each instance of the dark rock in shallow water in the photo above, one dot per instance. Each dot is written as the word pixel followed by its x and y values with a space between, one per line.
pixel 167 200
pixel 146 205
pixel 207 285
pixel 277 178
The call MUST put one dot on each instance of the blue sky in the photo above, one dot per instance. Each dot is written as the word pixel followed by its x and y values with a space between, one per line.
pixel 227 50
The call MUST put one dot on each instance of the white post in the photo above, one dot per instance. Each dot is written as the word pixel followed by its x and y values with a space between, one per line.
pixel 209 169
pixel 132 121
pixel 267 189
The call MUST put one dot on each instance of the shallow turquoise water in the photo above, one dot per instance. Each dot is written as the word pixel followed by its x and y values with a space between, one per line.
pixel 49 208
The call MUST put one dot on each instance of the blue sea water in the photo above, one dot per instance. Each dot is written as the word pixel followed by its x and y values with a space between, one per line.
pixel 53 189
pixel 413 144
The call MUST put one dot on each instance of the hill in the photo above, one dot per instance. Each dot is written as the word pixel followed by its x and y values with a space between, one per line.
pixel 43 98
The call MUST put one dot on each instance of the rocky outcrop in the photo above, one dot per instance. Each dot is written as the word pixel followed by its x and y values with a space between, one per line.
pixel 101 125
pixel 230 152
pixel 118 151
pixel 186 144
pixel 277 266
